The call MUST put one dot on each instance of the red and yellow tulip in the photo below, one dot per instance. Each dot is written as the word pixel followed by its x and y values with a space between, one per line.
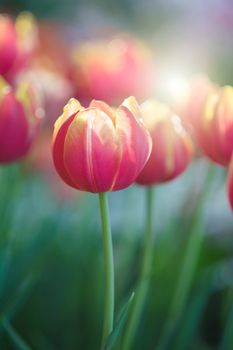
pixel 172 148
pixel 99 149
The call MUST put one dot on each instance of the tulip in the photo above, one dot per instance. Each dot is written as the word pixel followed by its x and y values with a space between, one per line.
pixel 215 134
pixel 98 149
pixel 172 148
pixel 189 106
pixel 8 44
pixel 172 151
pixel 110 70
pixel 230 183
pixel 17 43
pixel 19 120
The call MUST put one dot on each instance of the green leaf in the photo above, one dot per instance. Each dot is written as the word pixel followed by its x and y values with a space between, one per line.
pixel 111 339
pixel 14 336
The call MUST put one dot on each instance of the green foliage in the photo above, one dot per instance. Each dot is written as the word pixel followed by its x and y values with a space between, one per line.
pixel 114 335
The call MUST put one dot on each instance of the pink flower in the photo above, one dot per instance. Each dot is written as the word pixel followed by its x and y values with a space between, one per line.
pixel 99 149
pixel 8 44
pixel 110 70
pixel 190 106
pixel 215 134
pixel 17 43
pixel 19 121
pixel 172 148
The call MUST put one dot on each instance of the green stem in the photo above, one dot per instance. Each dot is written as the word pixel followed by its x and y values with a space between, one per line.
pixel 144 277
pixel 108 267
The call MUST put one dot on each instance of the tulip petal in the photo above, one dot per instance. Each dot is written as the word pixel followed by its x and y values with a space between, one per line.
pixel 135 144
pixel 131 104
pixel 91 151
pixel 8 44
pixel 58 150
pixel 172 148
pixel 14 130
pixel 71 108
pixel 104 107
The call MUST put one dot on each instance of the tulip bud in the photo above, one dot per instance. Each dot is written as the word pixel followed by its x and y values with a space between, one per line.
pixel 8 44
pixel 215 134
pixel 230 183
pixel 17 43
pixel 98 149
pixel 172 147
pixel 19 120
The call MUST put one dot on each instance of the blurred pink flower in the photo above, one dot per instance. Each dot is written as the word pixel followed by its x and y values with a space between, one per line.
pixel 18 45
pixel 20 116
pixel 172 149
pixel 110 71
pixel 215 131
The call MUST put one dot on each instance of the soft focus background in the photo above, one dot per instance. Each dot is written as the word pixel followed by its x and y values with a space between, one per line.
pixel 51 268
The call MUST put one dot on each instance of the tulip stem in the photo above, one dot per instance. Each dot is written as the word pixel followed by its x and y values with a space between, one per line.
pixel 108 267
pixel 144 278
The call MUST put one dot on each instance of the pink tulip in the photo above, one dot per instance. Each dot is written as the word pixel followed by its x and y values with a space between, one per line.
pixel 172 148
pixel 17 44
pixel 190 106
pixel 110 70
pixel 8 44
pixel 19 121
pixel 99 149
pixel 215 133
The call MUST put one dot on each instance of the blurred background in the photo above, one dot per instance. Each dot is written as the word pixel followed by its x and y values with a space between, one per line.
pixel 51 267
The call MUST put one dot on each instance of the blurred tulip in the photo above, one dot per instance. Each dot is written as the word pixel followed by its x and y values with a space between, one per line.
pixel 111 70
pixel 189 105
pixel 17 43
pixel 215 134
pixel 230 183
pixel 172 148
pixel 8 44
pixel 53 87
pixel 19 120
pixel 99 149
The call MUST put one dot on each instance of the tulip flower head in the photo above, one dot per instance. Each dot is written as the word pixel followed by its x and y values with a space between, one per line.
pixel 8 44
pixel 17 41
pixel 215 134
pixel 99 149
pixel 189 106
pixel 19 120
pixel 110 70
pixel 172 148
